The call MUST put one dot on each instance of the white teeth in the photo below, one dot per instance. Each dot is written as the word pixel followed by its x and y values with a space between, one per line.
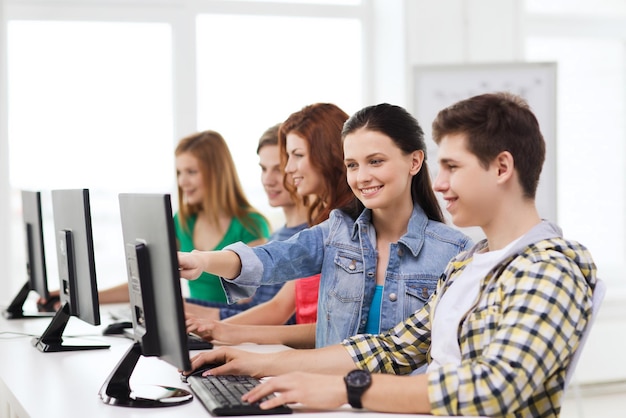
pixel 369 190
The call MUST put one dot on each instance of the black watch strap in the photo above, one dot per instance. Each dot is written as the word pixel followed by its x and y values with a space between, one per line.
pixel 357 382
pixel 354 399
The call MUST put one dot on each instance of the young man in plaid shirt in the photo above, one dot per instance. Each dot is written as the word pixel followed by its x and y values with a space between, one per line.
pixel 498 335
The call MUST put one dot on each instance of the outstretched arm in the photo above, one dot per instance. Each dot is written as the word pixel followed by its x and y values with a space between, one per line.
pixel 244 327
pixel 328 360
pixel 296 336
pixel 224 263
pixel 115 294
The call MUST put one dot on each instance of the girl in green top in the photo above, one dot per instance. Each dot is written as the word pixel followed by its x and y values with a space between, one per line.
pixel 213 209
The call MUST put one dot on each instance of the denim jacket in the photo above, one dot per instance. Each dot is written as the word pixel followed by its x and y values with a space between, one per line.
pixel 344 252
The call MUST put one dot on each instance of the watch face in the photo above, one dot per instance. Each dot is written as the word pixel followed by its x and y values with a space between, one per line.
pixel 359 378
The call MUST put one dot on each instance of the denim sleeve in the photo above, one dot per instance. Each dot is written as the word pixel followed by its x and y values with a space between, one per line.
pixel 276 262
pixel 249 277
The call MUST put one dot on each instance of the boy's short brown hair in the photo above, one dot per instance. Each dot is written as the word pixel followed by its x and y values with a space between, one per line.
pixel 493 123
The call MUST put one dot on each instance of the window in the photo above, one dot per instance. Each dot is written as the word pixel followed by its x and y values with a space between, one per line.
pixel 99 95
pixel 90 107
pixel 250 83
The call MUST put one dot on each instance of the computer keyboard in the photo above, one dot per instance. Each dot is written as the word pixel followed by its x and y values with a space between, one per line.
pixel 123 314
pixel 194 342
pixel 221 395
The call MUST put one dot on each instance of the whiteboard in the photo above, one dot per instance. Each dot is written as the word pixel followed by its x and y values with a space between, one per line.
pixel 438 86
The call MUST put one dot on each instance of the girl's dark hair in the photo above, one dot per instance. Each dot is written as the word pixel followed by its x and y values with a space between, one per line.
pixel 404 130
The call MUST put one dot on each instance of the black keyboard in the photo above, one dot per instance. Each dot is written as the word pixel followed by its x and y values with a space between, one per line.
pixel 194 342
pixel 221 395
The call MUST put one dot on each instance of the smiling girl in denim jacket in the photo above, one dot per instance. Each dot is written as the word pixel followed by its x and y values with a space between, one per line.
pixel 380 258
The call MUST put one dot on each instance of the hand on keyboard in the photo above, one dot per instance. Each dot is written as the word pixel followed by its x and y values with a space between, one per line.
pixel 222 395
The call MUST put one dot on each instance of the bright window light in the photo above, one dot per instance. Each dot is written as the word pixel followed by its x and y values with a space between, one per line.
pixel 90 106
pixel 254 71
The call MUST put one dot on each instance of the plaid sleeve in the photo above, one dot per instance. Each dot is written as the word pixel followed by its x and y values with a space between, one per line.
pixel 401 350
pixel 517 343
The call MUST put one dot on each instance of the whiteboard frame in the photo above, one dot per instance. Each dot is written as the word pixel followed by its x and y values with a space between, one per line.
pixel 434 87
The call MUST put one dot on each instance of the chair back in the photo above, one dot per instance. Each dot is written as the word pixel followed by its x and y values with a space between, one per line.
pixel 596 301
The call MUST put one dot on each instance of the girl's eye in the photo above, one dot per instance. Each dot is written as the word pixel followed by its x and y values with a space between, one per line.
pixel 351 165
pixel 376 162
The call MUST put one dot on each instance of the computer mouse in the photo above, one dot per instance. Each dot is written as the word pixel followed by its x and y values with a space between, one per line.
pixel 117 328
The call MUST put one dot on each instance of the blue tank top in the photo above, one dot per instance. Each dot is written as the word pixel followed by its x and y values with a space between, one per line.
pixel 373 318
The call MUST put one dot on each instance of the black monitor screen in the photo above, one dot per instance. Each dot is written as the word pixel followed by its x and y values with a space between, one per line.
pixel 78 290
pixel 155 299
pixel 37 278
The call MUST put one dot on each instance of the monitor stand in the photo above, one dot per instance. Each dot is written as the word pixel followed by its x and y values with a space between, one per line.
pixel 15 309
pixel 52 338
pixel 116 389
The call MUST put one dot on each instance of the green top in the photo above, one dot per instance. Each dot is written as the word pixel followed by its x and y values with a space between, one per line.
pixel 208 286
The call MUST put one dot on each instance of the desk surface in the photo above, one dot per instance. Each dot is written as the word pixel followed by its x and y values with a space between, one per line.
pixel 35 384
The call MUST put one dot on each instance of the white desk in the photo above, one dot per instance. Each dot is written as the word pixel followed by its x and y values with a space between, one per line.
pixel 65 385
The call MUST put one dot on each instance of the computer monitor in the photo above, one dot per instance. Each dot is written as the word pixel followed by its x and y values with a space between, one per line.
pixel 78 290
pixel 156 302
pixel 37 278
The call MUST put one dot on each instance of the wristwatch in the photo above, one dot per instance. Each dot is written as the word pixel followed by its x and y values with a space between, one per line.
pixel 357 382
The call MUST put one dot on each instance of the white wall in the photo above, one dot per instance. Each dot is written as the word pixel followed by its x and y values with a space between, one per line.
pixel 388 80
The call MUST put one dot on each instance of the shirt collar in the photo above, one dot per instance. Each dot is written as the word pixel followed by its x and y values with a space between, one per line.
pixel 414 237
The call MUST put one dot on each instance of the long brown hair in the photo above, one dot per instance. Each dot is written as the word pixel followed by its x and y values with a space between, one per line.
pixel 320 125
pixel 223 194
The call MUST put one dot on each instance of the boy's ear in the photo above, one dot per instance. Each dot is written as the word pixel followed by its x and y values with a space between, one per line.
pixel 505 165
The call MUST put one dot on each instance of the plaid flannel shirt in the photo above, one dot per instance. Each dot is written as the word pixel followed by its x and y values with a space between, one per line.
pixel 516 341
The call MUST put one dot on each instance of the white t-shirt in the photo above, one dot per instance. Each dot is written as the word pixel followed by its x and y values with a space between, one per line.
pixel 455 303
